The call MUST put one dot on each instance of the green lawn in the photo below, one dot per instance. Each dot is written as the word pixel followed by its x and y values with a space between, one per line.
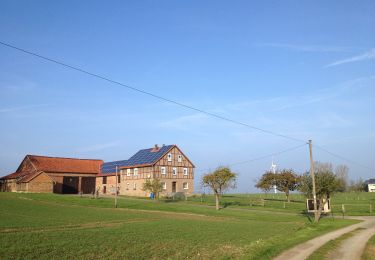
pixel 44 226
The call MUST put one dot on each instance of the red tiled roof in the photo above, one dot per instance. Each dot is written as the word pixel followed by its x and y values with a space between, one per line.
pixel 15 175
pixel 65 165
pixel 29 177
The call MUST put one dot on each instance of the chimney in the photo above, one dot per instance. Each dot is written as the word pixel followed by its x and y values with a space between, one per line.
pixel 156 146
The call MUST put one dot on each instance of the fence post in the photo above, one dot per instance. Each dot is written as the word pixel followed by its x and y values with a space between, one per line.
pixel 284 204
pixel 370 208
pixel 343 210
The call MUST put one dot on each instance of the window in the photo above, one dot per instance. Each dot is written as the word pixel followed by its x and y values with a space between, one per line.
pixel 185 185
pixel 164 185
pixel 179 158
pixel 186 171
pixel 169 157
pixel 174 171
pixel 134 186
pixel 135 171
pixel 128 172
pixel 104 180
pixel 162 170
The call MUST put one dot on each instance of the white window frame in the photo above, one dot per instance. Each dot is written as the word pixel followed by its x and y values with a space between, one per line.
pixel 135 171
pixel 164 185
pixel 186 171
pixel 174 171
pixel 179 158
pixel 163 170
pixel 128 172
pixel 187 185
pixel 169 157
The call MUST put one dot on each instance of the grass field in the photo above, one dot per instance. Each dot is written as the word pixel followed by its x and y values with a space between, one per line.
pixel 355 204
pixel 41 226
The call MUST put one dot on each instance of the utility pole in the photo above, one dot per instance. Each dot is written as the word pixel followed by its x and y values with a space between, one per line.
pixel 116 189
pixel 312 172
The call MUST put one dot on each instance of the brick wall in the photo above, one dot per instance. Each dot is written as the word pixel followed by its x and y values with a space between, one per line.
pixel 41 183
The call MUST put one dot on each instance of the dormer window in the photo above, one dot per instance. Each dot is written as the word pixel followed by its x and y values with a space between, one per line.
pixel 169 157
pixel 179 158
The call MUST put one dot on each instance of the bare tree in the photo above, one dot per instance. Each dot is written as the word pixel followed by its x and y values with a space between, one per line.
pixel 341 172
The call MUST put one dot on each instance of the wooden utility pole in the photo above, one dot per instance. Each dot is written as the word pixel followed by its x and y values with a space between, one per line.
pixel 312 172
pixel 116 190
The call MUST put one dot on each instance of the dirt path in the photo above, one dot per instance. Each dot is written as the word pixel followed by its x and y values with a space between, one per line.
pixel 350 249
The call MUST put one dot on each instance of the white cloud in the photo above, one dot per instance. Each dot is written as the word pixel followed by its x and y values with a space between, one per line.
pixel 369 55
pixel 306 48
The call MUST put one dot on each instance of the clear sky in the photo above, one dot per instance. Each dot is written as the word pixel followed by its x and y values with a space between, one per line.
pixel 305 69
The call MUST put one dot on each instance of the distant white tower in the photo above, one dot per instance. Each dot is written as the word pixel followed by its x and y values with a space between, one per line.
pixel 273 169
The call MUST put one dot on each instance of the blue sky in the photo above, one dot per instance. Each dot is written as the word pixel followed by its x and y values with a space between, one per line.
pixel 303 69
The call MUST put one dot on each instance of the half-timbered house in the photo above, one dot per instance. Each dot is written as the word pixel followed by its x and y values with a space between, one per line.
pixel 166 163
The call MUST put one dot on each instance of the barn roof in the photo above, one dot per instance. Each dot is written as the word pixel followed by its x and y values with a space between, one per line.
pixel 65 165
pixel 54 165
pixel 143 157
pixel 16 175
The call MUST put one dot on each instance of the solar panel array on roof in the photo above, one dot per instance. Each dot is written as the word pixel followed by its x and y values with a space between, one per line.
pixel 110 167
pixel 142 157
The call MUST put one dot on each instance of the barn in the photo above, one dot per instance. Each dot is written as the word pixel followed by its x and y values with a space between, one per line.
pixel 53 174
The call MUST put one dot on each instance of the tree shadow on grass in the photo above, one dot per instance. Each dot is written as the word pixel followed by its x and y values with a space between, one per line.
pixel 232 203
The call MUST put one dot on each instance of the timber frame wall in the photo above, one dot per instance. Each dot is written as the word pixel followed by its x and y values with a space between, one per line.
pixel 131 185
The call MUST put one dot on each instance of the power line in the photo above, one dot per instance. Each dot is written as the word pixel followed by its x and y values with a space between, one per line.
pixel 343 158
pixel 150 94
pixel 172 101
pixel 263 157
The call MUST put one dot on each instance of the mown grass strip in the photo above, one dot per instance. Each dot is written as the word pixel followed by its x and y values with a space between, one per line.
pixel 369 252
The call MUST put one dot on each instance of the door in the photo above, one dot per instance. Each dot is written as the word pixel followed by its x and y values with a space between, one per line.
pixel 70 185
pixel 88 185
pixel 174 185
